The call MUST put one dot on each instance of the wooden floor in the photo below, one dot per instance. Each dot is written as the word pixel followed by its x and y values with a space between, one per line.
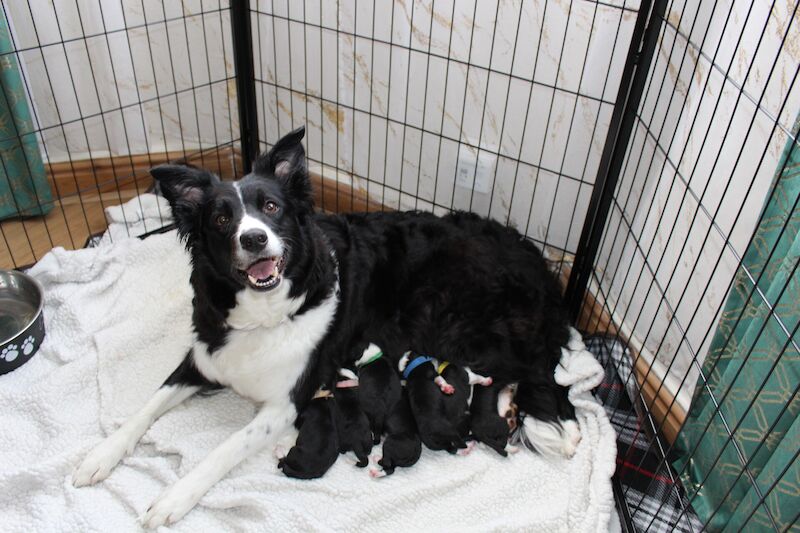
pixel 86 188
pixel 69 225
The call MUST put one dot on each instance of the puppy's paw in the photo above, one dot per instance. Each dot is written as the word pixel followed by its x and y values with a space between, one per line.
pixel 468 449
pixel 171 506
pixel 447 389
pixel 101 460
pixel 374 473
pixel 512 449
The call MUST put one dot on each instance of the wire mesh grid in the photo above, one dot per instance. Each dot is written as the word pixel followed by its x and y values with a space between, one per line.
pixel 113 88
pixel 635 142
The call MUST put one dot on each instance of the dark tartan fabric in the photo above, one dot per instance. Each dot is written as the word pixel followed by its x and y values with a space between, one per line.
pixel 654 496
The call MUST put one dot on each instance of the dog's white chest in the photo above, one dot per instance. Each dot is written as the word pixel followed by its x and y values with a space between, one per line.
pixel 264 359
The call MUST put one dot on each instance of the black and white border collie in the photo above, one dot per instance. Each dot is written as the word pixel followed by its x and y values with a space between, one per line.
pixel 285 296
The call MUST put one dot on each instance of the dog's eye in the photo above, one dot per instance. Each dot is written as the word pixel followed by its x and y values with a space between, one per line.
pixel 221 220
pixel 270 207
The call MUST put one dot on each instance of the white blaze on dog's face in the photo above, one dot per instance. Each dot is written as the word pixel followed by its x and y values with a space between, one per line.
pixel 245 229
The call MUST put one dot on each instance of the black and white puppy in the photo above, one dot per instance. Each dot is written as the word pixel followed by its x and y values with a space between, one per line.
pixel 317 445
pixel 457 405
pixel 283 297
pixel 436 429
pixel 402 446
pixel 486 425
pixel 379 388
pixel 353 424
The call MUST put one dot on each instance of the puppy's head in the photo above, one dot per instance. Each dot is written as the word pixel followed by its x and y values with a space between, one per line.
pixel 247 230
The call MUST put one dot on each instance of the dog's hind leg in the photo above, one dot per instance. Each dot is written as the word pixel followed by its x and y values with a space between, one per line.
pixel 183 383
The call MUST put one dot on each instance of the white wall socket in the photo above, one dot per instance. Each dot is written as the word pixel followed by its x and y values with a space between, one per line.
pixel 480 169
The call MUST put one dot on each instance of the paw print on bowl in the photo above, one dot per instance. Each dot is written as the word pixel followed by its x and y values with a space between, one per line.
pixel 28 345
pixel 9 353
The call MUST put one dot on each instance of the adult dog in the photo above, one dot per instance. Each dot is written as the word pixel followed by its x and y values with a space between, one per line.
pixel 284 296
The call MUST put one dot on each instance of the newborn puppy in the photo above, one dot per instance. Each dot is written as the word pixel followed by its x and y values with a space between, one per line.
pixel 427 404
pixel 378 390
pixel 317 447
pixel 487 426
pixel 402 446
pixel 352 422
pixel 457 405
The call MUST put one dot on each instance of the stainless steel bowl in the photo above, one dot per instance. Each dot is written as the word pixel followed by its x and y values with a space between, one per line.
pixel 21 320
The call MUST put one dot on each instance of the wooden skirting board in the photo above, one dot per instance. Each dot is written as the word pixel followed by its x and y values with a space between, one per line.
pixel 85 187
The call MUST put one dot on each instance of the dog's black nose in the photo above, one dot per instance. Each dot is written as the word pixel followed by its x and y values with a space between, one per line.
pixel 253 240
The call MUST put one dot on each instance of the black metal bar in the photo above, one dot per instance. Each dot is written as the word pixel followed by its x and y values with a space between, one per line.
pixel 245 81
pixel 631 88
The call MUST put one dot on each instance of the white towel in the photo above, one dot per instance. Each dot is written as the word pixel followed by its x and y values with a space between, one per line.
pixel 118 321
pixel 139 215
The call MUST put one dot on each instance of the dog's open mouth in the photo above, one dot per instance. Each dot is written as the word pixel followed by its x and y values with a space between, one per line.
pixel 264 274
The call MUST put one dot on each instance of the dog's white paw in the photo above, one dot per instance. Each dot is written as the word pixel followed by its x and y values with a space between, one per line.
pixel 101 460
pixel 171 506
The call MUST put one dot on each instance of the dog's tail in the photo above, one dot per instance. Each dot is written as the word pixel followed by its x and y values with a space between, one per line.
pixel 547 419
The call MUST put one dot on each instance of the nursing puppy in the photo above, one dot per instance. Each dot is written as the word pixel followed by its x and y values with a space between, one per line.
pixel 486 424
pixel 402 446
pixel 379 388
pixel 427 400
pixel 457 405
pixel 284 296
pixel 317 447
pixel 352 422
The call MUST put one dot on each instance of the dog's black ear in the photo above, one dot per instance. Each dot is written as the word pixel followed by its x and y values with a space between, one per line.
pixel 287 162
pixel 185 189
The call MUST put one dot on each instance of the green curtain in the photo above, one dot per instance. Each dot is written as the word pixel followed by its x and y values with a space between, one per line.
pixel 754 367
pixel 24 190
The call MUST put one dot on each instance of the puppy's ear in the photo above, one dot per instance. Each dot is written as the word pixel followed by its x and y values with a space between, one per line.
pixel 287 162
pixel 185 189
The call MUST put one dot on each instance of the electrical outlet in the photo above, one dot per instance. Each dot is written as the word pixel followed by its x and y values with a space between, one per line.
pixel 480 169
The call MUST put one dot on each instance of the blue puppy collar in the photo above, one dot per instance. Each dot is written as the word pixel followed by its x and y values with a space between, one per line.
pixel 414 363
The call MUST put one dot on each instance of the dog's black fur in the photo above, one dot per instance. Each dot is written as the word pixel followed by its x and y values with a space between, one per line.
pixel 464 288
pixel 429 406
pixel 353 425
pixel 486 424
pixel 317 441
pixel 378 391
pixel 402 446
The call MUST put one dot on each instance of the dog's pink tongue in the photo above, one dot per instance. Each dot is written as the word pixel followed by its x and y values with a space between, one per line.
pixel 262 269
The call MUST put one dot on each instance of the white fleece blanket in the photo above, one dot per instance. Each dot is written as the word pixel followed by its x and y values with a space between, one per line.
pixel 118 321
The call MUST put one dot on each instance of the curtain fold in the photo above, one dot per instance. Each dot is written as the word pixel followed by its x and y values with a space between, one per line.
pixel 24 189
pixel 753 372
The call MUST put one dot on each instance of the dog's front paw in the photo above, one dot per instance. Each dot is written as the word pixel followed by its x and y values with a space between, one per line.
pixel 171 506
pixel 101 460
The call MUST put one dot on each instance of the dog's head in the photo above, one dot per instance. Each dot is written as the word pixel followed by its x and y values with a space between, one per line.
pixel 246 230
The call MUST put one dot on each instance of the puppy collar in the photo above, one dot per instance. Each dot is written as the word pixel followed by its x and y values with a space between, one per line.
pixel 372 359
pixel 442 366
pixel 414 363
pixel 322 393
pixel 347 384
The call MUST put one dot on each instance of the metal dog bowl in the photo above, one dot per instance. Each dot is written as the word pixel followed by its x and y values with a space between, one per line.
pixel 21 320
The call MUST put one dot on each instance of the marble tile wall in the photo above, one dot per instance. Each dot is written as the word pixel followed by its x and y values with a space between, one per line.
pixel 716 117
pixel 394 92
pixel 127 76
